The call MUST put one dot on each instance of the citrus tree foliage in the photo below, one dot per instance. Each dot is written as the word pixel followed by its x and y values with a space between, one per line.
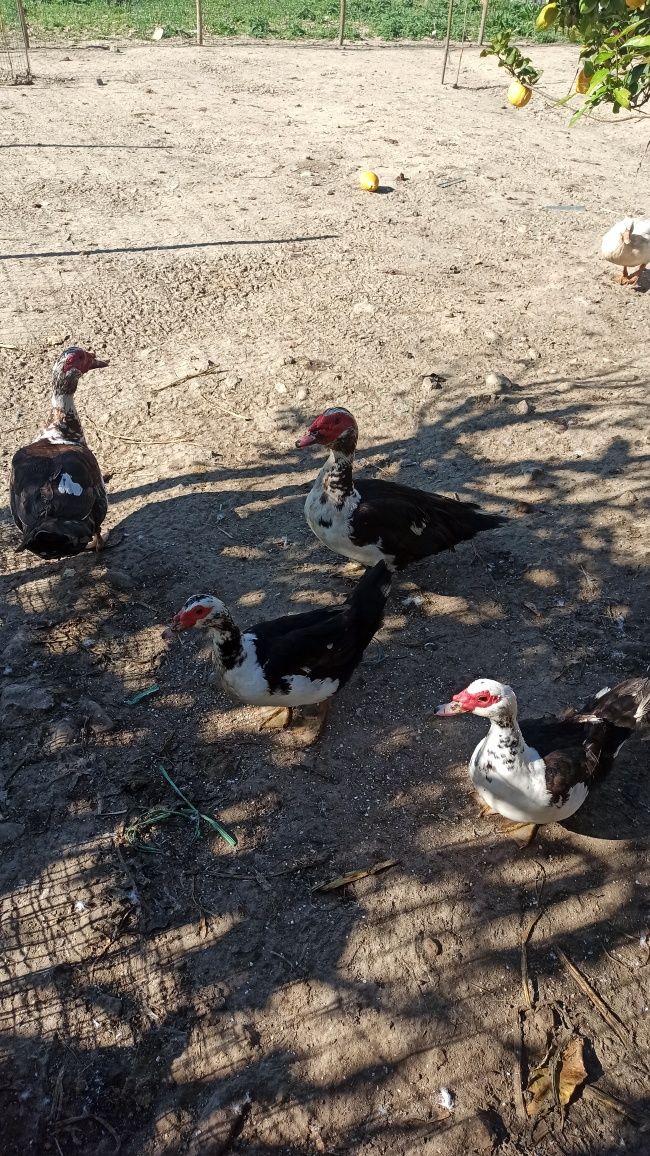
pixel 614 38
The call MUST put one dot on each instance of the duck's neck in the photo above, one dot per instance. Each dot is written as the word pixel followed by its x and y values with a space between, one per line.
pixel 227 649
pixel 336 478
pixel 64 418
pixel 505 742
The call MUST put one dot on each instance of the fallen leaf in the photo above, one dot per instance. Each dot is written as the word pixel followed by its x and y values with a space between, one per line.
pixel 533 609
pixel 572 1070
pixel 353 876
pixel 566 1070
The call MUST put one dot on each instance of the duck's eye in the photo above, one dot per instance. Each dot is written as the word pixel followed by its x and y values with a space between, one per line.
pixel 483 696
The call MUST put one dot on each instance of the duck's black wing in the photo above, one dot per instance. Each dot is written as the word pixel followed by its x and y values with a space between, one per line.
pixel 326 643
pixel 410 524
pixel 57 497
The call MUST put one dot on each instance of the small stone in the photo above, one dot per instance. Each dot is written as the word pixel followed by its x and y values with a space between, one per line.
pixel 490 335
pixel 432 381
pixel 88 643
pixel 523 407
pixel 280 387
pixel 20 699
pixel 120 579
pixel 301 394
pixel 96 715
pixel 231 381
pixel 363 307
pixel 68 573
pixel 9 832
pixel 533 355
pixel 17 645
pixel 498 382
pixel 109 1003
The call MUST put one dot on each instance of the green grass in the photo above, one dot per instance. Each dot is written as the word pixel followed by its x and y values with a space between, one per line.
pixel 281 19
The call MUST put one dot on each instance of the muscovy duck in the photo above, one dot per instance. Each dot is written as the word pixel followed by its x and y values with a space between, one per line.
pixel 296 660
pixel 628 243
pixel 369 519
pixel 541 770
pixel 57 494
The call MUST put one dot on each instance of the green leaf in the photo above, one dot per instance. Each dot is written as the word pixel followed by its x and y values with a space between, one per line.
pixel 598 78
pixel 638 42
pixel 622 97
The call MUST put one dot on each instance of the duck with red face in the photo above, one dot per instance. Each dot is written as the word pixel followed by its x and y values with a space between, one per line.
pixel 541 770
pixel 297 660
pixel 57 494
pixel 371 520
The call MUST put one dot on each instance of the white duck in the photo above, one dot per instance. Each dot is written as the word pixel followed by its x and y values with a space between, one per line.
pixel 541 770
pixel 628 244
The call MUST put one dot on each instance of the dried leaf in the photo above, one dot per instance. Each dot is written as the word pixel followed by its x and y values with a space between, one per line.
pixel 540 1088
pixel 572 1070
pixel 557 1076
pixel 353 876
pixel 533 609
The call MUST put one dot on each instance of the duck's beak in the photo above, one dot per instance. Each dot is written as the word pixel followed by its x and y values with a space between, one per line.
pixel 446 709
pixel 627 236
pixel 170 632
pixel 98 363
pixel 307 439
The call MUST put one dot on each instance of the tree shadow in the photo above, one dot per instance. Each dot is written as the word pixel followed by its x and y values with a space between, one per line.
pixel 186 994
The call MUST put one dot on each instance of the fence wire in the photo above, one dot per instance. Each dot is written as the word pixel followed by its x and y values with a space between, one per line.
pixel 283 19
pixel 14 54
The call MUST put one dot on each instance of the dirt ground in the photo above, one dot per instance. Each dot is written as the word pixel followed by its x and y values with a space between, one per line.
pixel 163 993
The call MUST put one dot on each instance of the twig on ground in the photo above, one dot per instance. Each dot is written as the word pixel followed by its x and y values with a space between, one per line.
pixel 142 441
pixel 210 371
pixel 598 1002
pixel 600 1097
pixel 524 958
pixel 72 1120
pixel 517 1073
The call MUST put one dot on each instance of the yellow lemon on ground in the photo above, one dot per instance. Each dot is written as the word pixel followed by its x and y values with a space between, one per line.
pixel 369 181
pixel 547 16
pixel 519 94
pixel 582 83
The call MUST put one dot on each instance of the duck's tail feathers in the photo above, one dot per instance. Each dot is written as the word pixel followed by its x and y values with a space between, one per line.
pixel 368 600
pixel 625 706
pixel 53 538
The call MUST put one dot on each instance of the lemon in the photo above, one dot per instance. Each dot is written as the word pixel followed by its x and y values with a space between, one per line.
pixel 547 16
pixel 635 3
pixel 582 82
pixel 369 181
pixel 519 94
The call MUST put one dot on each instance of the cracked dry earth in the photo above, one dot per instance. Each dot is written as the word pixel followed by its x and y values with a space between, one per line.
pixel 162 993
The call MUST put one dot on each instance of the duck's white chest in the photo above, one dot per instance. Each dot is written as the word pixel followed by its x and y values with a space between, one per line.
pixel 332 525
pixel 248 683
pixel 514 784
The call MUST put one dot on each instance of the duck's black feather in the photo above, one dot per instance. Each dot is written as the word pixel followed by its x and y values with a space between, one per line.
pixel 326 643
pixel 55 523
pixel 413 524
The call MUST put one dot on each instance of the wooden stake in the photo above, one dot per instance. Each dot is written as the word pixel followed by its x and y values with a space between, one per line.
pixel 25 32
pixel 342 23
pixel 450 13
pixel 199 21
pixel 481 31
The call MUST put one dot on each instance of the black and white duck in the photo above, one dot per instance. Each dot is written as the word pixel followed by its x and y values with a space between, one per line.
pixel 542 770
pixel 57 494
pixel 371 520
pixel 297 660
